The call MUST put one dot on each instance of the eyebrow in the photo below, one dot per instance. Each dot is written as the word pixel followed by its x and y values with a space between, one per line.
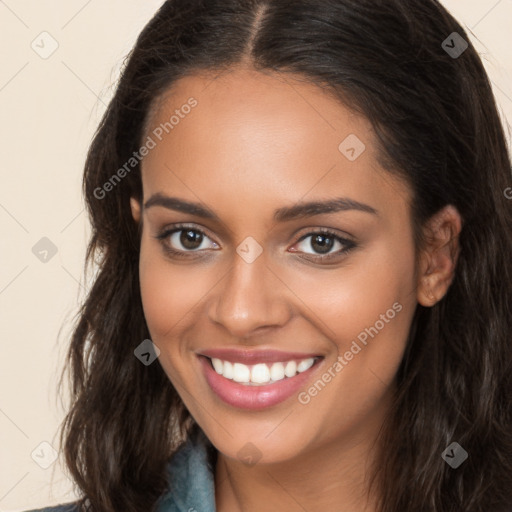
pixel 284 214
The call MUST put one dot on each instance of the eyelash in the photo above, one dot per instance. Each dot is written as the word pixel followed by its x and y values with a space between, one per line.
pixel 349 244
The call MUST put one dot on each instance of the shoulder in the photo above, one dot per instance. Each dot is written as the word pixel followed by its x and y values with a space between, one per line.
pixel 68 507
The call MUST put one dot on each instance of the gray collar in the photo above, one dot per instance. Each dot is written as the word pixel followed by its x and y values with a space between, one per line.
pixel 191 482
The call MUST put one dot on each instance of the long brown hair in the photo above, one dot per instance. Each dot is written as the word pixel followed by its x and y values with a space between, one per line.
pixel 437 127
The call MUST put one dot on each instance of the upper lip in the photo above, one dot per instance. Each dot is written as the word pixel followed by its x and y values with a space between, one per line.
pixel 249 357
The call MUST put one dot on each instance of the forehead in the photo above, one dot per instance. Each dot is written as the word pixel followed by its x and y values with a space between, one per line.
pixel 259 138
pixel 255 104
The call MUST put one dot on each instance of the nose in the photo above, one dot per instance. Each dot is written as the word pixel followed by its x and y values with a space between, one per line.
pixel 250 298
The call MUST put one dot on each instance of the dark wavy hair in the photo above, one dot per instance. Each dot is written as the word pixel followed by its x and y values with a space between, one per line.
pixel 437 127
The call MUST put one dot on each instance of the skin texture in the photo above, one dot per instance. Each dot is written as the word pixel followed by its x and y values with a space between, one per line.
pixel 255 143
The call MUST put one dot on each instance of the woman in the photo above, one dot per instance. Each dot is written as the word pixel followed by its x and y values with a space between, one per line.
pixel 303 302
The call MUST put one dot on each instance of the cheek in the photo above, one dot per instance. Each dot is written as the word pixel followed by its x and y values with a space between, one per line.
pixel 355 295
pixel 365 309
pixel 170 297
pixel 168 293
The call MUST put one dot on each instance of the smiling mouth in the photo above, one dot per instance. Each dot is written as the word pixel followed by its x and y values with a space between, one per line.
pixel 261 374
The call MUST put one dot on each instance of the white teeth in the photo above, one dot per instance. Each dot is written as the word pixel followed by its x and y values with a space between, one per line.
pixel 277 371
pixel 290 369
pixel 241 373
pixel 227 370
pixel 260 373
pixel 305 365
pixel 217 364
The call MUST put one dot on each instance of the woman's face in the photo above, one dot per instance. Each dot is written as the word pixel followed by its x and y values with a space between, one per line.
pixel 248 283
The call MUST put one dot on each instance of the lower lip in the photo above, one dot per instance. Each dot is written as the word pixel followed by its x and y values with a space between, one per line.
pixel 254 397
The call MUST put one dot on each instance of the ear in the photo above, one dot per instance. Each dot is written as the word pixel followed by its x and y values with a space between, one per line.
pixel 135 207
pixel 439 257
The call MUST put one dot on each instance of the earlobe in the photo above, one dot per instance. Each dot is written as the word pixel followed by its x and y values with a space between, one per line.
pixel 135 207
pixel 439 258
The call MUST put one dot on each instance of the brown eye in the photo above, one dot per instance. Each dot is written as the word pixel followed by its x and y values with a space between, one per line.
pixel 181 240
pixel 320 245
pixel 189 238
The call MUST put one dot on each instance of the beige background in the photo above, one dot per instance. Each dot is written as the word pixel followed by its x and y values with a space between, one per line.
pixel 49 109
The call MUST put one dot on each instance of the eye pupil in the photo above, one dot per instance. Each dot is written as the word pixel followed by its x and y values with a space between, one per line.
pixel 320 239
pixel 189 237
